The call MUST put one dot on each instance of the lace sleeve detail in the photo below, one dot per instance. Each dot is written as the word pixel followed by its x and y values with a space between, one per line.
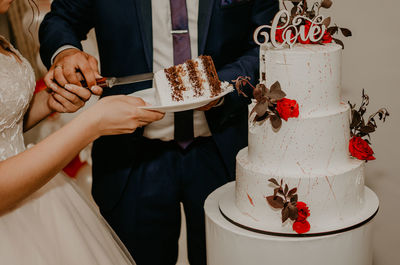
pixel 17 84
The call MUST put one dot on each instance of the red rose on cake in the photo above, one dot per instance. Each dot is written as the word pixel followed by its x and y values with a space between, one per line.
pixel 287 108
pixel 279 37
pixel 360 149
pixel 327 38
pixel 303 211
pixel 301 227
pixel 306 30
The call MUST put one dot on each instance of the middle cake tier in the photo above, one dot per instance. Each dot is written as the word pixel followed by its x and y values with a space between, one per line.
pixel 302 145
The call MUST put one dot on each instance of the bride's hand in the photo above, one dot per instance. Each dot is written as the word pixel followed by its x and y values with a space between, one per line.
pixel 63 79
pixel 68 99
pixel 119 115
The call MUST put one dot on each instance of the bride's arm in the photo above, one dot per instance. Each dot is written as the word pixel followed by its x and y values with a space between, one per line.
pixel 44 103
pixel 26 172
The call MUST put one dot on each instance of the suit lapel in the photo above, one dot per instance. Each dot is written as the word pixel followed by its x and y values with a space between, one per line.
pixel 143 10
pixel 205 10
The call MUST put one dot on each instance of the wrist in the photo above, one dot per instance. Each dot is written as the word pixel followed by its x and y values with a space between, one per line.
pixel 90 124
pixel 44 97
pixel 48 109
pixel 64 51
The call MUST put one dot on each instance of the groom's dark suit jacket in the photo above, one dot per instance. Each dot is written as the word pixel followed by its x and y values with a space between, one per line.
pixel 124 37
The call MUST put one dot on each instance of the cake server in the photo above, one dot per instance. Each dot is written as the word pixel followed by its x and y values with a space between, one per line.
pixel 116 81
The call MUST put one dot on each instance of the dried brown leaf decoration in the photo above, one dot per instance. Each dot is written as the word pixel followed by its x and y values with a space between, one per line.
pixel 292 191
pixel 276 191
pixel 326 3
pixel 261 119
pixel 276 86
pixel 326 22
pixel 293 11
pixel 339 42
pixel 260 109
pixel 259 91
pixel 367 129
pixel 355 119
pixel 276 122
pixel 346 32
pixel 293 211
pixel 285 214
pixel 294 198
pixel 332 30
pixel 275 92
pixel 275 201
pixel 359 127
pixel 272 180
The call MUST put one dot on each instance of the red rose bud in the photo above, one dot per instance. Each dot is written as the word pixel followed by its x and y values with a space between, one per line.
pixel 301 227
pixel 327 38
pixel 303 211
pixel 306 30
pixel 279 37
pixel 360 149
pixel 287 108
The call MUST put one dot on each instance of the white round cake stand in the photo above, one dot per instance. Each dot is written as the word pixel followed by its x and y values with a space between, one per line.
pixel 229 244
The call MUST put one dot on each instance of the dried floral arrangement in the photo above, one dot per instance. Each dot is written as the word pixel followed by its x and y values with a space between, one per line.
pixel 292 209
pixel 360 129
pixel 270 102
pixel 303 23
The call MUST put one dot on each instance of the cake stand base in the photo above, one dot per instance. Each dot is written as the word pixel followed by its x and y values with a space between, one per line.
pixel 228 244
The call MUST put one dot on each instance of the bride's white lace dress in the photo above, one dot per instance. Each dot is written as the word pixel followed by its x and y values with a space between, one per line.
pixel 56 225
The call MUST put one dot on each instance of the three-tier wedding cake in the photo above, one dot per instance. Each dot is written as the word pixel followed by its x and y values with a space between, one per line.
pixel 309 152
pixel 296 182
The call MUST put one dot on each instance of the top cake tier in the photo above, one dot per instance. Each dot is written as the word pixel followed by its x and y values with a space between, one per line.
pixel 310 74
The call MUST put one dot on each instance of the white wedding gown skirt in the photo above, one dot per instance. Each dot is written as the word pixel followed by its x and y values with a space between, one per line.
pixel 56 225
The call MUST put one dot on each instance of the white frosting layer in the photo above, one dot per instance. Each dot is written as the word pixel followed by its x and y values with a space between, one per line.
pixel 310 74
pixel 331 197
pixel 165 90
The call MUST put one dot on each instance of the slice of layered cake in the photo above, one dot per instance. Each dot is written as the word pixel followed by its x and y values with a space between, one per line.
pixel 191 81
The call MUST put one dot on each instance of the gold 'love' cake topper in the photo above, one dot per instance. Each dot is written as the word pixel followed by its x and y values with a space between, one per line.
pixel 302 24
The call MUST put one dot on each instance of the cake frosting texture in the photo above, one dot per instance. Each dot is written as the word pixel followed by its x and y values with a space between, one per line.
pixel 309 152
pixel 193 80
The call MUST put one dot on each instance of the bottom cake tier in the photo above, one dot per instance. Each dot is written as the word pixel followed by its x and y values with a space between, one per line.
pixel 336 199
pixel 229 243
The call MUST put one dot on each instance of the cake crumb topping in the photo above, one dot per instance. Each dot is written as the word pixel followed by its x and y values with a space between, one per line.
pixel 175 82
pixel 194 78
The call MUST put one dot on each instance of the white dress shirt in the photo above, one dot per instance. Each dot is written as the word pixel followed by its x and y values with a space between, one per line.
pixel 163 57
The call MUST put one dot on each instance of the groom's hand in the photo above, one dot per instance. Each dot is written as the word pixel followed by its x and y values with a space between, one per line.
pixel 69 68
pixel 72 66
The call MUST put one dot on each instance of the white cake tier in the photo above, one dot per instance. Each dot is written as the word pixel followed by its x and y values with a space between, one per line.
pixel 310 74
pixel 229 243
pixel 333 197
pixel 302 145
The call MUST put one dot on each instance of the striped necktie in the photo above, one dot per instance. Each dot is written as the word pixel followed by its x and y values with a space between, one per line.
pixel 184 132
